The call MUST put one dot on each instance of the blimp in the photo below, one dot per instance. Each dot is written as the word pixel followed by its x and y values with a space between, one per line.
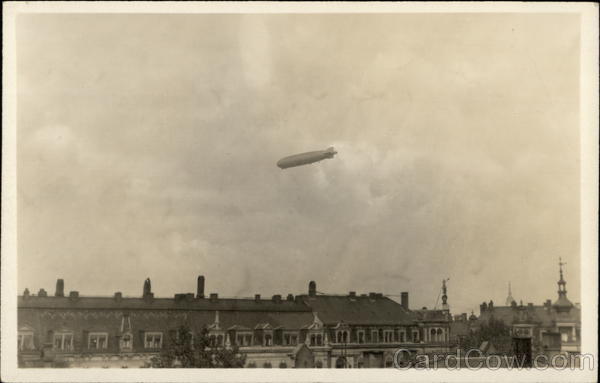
pixel 306 158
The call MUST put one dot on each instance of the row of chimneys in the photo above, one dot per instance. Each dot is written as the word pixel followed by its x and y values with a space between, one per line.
pixel 147 293
pixel 490 306
pixel 59 292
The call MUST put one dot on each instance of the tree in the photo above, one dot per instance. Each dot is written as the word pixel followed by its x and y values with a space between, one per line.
pixel 186 351
pixel 493 331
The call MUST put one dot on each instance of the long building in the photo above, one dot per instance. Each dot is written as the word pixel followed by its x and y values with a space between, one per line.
pixel 305 331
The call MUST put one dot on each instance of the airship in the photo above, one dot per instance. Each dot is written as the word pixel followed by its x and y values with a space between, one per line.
pixel 306 158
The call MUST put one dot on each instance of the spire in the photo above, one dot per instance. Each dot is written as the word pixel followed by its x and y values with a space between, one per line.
pixel 562 303
pixel 561 282
pixel 509 298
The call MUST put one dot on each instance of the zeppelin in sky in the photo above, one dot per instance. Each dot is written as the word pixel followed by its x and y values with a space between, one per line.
pixel 306 158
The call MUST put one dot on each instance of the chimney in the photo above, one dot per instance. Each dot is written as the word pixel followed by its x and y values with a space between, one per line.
pixel 352 294
pixel 404 300
pixel 74 295
pixel 312 289
pixel 60 288
pixel 372 295
pixel 189 297
pixel 530 306
pixel 118 296
pixel 179 297
pixel 548 303
pixel 214 297
pixel 277 298
pixel 290 297
pixel 26 293
pixel 42 293
pixel 147 289
pixel 257 298
pixel 200 287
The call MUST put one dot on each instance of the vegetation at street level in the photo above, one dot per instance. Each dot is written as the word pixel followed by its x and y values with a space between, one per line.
pixel 496 332
pixel 200 351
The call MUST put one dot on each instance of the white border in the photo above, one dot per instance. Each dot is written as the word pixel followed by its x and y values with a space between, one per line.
pixel 589 194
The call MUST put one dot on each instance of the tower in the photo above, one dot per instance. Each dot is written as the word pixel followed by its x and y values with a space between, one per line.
pixel 509 298
pixel 562 304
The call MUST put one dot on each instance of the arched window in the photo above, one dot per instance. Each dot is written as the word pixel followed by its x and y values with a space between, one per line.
pixel 432 336
pixel 440 335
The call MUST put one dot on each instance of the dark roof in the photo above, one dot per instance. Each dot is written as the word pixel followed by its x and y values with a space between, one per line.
pixel 252 319
pixel 227 304
pixel 562 302
pixel 542 315
pixel 358 310
pixel 433 315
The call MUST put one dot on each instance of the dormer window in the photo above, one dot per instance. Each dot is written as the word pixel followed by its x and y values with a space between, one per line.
pixel 290 339
pixel 244 339
pixel 342 336
pixel 374 336
pixel 316 340
pixel 388 336
pixel 360 334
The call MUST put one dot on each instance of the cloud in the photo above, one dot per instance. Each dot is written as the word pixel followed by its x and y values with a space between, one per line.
pixel 153 154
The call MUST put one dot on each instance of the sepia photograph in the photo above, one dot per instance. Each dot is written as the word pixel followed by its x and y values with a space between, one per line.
pixel 318 192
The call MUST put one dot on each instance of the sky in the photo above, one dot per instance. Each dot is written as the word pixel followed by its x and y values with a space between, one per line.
pixel 147 147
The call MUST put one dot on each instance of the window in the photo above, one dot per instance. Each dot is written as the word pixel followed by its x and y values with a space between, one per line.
pixel 374 336
pixel 415 336
pixel 268 340
pixel 290 339
pixel 244 339
pixel 153 340
pixel 360 334
pixel 25 340
pixel 316 340
pixel 63 341
pixel 388 336
pixel 126 342
pixel 342 336
pixel 215 340
pixel 97 340
pixel 565 333
pixel 402 336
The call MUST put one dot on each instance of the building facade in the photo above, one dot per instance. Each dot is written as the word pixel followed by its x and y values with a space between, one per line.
pixel 304 331
pixel 550 328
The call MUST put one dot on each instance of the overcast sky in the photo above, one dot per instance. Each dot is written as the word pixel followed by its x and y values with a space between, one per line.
pixel 147 147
